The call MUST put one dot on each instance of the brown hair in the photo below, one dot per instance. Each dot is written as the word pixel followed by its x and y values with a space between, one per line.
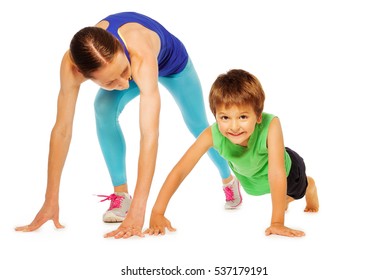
pixel 237 87
pixel 92 47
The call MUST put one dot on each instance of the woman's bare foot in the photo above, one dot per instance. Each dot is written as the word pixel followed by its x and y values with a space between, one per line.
pixel 311 197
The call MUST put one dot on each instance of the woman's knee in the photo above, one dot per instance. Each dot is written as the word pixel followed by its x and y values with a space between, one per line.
pixel 196 128
pixel 105 105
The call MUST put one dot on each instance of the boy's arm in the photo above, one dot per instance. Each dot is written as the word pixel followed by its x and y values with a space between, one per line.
pixel 158 222
pixel 277 181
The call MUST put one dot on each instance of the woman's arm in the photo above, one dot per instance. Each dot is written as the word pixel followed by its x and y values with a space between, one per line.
pixel 60 139
pixel 144 66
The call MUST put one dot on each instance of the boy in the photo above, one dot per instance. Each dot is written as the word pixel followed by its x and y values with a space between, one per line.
pixel 252 143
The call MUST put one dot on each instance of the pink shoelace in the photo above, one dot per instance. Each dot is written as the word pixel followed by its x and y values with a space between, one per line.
pixel 229 193
pixel 116 200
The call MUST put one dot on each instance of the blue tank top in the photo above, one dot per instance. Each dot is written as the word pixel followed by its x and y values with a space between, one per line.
pixel 172 57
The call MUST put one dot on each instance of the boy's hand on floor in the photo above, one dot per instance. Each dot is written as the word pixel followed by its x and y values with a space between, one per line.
pixel 283 230
pixel 158 224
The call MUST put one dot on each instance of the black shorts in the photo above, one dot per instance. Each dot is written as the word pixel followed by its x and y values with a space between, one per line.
pixel 297 179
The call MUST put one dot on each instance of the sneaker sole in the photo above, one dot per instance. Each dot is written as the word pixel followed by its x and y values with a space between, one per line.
pixel 232 207
pixel 112 218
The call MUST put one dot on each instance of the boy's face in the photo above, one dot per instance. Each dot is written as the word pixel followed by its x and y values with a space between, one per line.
pixel 237 123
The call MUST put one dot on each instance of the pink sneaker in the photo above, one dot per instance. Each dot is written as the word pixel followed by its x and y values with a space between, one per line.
pixel 117 211
pixel 233 195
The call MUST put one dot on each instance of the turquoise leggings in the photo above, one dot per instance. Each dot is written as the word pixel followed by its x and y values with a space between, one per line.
pixel 186 90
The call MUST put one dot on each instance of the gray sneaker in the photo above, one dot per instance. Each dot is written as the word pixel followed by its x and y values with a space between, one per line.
pixel 117 211
pixel 233 195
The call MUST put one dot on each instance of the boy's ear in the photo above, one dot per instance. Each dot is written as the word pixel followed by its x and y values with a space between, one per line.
pixel 259 119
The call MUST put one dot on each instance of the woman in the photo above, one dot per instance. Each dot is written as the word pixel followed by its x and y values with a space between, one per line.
pixel 126 54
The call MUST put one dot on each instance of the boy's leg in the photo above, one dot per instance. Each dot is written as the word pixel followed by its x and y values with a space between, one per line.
pixel 311 197
pixel 299 184
pixel 289 199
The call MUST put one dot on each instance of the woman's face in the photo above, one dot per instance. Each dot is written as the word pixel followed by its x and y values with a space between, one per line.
pixel 114 76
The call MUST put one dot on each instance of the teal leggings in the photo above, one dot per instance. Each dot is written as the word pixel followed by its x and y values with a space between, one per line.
pixel 186 90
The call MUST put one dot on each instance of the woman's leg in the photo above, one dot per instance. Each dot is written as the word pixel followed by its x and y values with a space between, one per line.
pixel 108 106
pixel 186 90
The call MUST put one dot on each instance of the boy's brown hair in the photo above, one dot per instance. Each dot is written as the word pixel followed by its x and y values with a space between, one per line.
pixel 237 87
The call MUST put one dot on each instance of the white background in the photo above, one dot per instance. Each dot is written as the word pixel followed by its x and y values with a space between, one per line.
pixel 324 68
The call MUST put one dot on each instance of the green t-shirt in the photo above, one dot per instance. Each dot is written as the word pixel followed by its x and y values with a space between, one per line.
pixel 249 164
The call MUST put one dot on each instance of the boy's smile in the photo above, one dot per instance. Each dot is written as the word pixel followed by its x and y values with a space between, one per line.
pixel 237 123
